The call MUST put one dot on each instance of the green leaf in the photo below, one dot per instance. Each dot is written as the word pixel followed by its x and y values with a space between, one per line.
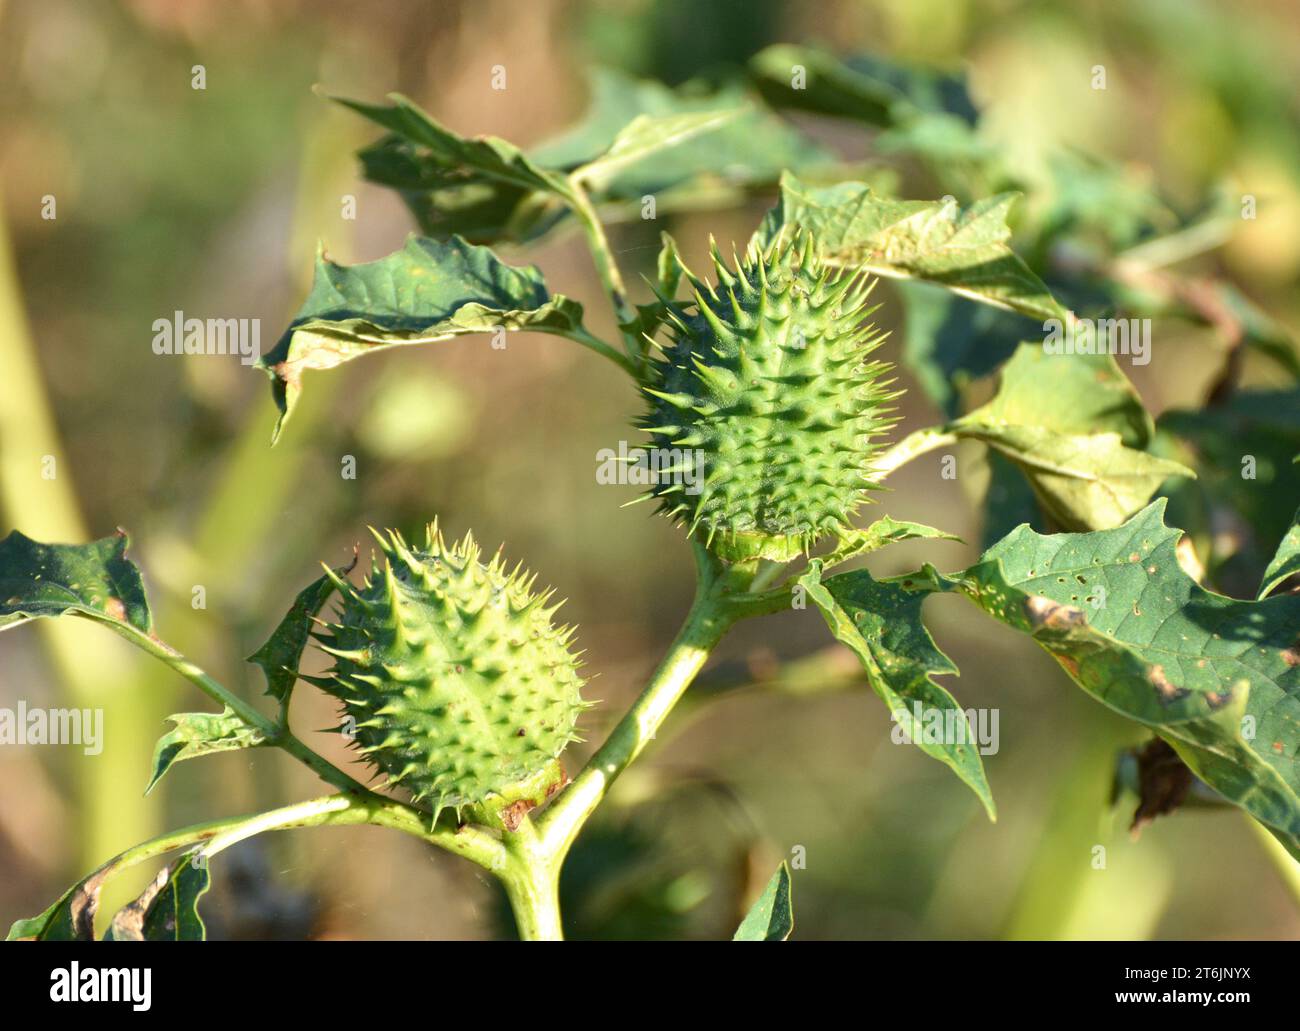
pixel 1095 201
pixel 864 87
pixel 647 135
pixel 1080 480
pixel 771 918
pixel 1068 394
pixel 881 622
pixel 1070 426
pixel 168 910
pixel 447 202
pixel 949 341
pixel 93 580
pixel 876 536
pixel 1008 501
pixel 1240 505
pixel 485 156
pixel 1287 560
pixel 750 150
pixel 428 291
pixel 1218 678
pixel 965 251
pixel 280 655
pixel 201 733
pixel 482 187
pixel 488 190
pixel 72 917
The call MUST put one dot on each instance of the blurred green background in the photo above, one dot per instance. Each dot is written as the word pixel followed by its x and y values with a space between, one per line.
pixel 212 201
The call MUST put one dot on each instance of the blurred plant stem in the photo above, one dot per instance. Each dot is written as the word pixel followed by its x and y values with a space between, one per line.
pixel 1288 869
pixel 37 495
pixel 1074 887
pixel 258 483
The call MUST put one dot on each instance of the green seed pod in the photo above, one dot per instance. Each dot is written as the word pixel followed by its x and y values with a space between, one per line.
pixel 461 689
pixel 766 402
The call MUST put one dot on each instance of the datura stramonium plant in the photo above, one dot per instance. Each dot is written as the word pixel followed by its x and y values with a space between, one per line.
pixel 766 388
pixel 765 409
pixel 458 685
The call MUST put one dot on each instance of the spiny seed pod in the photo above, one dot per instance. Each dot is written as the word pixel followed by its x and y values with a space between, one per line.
pixel 460 688
pixel 766 400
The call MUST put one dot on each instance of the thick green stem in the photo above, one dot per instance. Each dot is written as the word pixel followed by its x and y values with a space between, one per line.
pixel 710 616
pixel 531 877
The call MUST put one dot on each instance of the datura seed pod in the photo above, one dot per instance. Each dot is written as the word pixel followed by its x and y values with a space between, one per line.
pixel 767 403
pixel 457 684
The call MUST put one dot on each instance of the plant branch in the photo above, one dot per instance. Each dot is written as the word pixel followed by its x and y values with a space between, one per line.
pixel 471 842
pixel 346 809
pixel 606 266
pixel 593 343
pixel 275 733
pixel 712 613
pixel 913 446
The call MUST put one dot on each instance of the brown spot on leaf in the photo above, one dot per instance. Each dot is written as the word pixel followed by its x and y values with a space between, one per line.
pixel 128 924
pixel 1071 665
pixel 1044 612
pixel 1163 783
pixel 1166 691
pixel 115 608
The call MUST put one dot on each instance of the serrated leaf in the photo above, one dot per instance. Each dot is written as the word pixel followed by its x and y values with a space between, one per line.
pixel 883 531
pixel 1287 560
pixel 280 655
pixel 486 156
pixel 201 733
pixel 1090 481
pixel 488 190
pixel 1218 678
pixel 881 623
pixel 94 580
pixel 447 202
pixel 1073 424
pixel 750 150
pixel 771 918
pixel 168 910
pixel 1068 394
pixel 429 290
pixel 647 135
pixel 965 251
